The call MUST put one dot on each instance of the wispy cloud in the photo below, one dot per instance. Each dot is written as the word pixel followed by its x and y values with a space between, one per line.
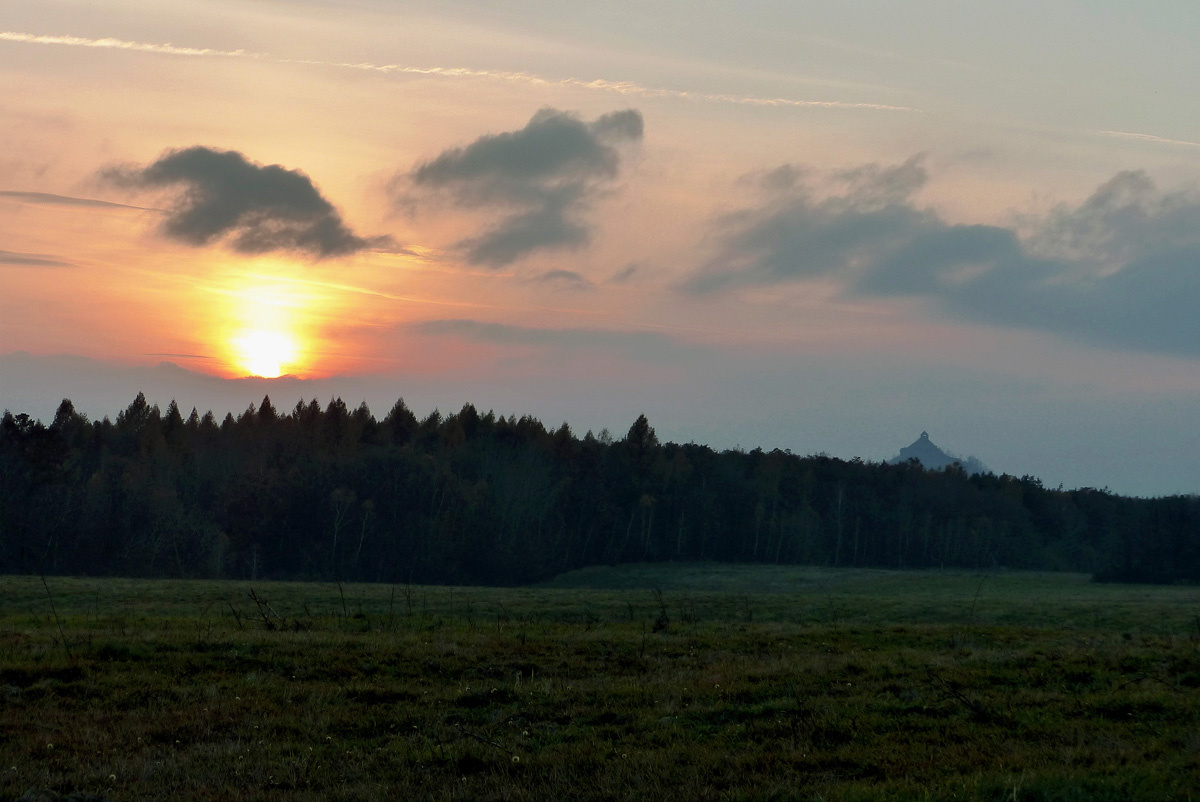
pixel 596 84
pixel 181 356
pixel 408 299
pixel 1149 138
pixel 30 260
pixel 643 345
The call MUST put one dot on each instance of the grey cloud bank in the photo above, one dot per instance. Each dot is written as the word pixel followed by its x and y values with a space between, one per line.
pixel 261 208
pixel 1121 269
pixel 543 177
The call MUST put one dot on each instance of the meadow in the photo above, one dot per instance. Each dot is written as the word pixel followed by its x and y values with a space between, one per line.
pixel 690 681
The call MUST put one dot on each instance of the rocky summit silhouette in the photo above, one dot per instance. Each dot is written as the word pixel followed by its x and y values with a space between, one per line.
pixel 933 458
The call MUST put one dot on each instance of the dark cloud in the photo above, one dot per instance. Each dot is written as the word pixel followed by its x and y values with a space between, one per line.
pixel 30 260
pixel 1120 269
pixel 873 185
pixel 47 199
pixel 783 178
pixel 625 274
pixel 543 177
pixel 261 208
pixel 566 278
pixel 545 226
pixel 793 236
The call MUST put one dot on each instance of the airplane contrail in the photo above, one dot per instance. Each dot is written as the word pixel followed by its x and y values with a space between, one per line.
pixel 119 44
pixel 599 84
pixel 1149 138
pixel 47 199
pixel 620 87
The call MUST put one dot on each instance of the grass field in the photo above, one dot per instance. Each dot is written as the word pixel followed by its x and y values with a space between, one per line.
pixel 640 682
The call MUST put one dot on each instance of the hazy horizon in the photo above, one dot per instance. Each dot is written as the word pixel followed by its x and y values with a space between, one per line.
pixel 1123 462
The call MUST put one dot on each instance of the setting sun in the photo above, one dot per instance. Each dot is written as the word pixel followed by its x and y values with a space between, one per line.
pixel 266 353
pixel 265 327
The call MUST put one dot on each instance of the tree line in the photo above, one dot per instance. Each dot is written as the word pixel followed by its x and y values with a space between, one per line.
pixel 470 498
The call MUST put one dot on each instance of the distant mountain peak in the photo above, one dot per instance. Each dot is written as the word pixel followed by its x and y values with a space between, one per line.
pixel 933 458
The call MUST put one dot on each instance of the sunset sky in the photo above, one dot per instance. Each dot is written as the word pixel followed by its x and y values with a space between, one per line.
pixel 816 226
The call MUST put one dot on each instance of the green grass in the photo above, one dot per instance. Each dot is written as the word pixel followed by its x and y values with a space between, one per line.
pixel 757 683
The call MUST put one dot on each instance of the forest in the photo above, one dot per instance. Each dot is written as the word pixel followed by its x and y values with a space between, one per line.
pixel 467 498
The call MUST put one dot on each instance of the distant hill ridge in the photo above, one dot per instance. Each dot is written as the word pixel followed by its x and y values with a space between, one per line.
pixel 933 458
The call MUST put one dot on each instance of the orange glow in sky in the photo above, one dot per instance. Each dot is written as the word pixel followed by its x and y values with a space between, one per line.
pixel 828 247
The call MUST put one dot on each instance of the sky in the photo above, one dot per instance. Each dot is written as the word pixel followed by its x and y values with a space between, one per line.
pixel 815 226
